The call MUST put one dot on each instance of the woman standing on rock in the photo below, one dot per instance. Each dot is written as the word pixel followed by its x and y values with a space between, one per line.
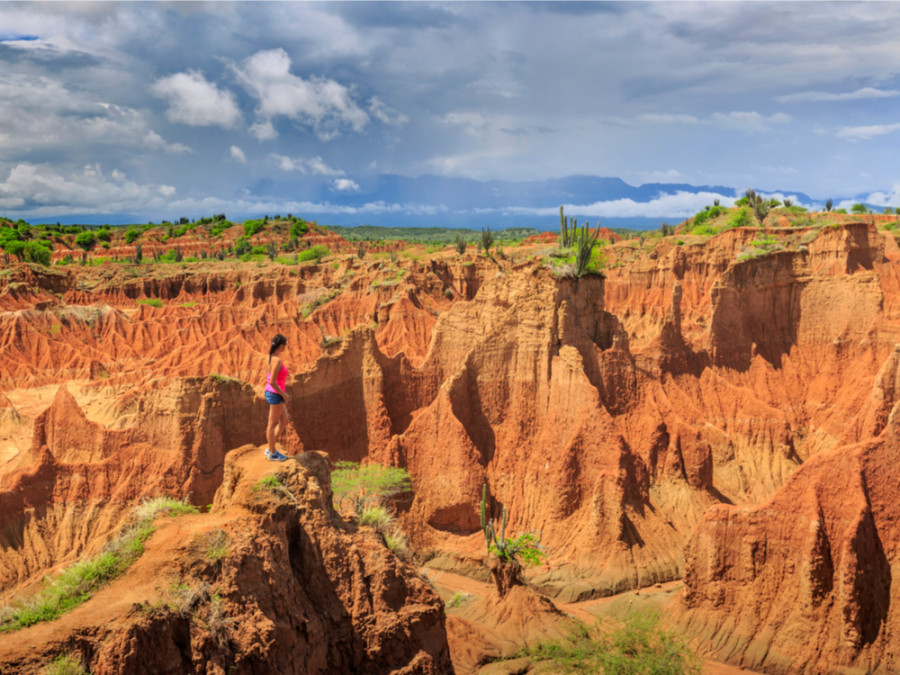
pixel 276 396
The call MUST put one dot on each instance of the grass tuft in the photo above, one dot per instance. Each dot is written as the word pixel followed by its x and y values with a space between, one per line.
pixel 152 302
pixel 78 582
pixel 376 516
pixel 65 664
pixel 638 646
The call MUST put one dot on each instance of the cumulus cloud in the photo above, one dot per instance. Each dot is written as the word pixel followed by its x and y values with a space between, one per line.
pixel 263 131
pixel 306 165
pixel 386 114
pixel 866 132
pixel 325 105
pixel 46 191
pixel 44 113
pixel 882 198
pixel 238 155
pixel 346 185
pixel 824 96
pixel 197 102
pixel 154 141
pixel 751 122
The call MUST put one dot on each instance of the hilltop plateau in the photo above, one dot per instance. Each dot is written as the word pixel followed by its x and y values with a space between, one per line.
pixel 712 405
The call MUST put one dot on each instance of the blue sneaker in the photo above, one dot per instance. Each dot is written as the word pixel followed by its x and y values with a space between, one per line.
pixel 275 456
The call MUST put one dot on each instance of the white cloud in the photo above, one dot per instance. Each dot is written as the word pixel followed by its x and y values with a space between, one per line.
pixel 664 118
pixel 748 121
pixel 46 191
pixel 263 131
pixel 42 113
pixel 311 165
pixel 881 198
pixel 345 185
pixel 154 141
pixel 824 96
pixel 196 102
pixel 323 104
pixel 238 155
pixel 666 205
pixel 865 132
pixel 385 114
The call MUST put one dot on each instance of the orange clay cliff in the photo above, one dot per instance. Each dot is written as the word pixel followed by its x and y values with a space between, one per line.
pixel 709 411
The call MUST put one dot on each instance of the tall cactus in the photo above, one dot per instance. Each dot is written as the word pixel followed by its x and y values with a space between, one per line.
pixel 486 525
pixel 491 539
pixel 584 247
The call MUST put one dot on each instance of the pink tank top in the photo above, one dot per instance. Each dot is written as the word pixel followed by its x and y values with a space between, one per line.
pixel 280 379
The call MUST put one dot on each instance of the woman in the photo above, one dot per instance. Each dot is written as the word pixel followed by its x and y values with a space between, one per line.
pixel 276 397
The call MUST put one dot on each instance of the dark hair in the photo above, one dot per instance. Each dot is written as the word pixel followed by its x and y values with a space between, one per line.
pixel 278 341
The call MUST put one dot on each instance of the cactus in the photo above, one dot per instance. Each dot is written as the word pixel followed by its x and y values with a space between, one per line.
pixel 563 228
pixel 486 524
pixel 584 247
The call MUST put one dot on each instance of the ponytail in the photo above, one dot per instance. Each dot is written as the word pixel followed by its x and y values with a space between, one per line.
pixel 278 341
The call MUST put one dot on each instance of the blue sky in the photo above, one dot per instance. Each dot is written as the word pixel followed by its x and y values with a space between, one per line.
pixel 122 111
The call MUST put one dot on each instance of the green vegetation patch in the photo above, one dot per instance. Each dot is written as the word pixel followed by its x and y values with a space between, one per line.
pixel 637 646
pixel 152 302
pixel 78 582
pixel 66 664
pixel 316 253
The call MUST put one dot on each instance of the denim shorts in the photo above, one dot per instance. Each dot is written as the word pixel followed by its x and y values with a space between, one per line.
pixel 273 398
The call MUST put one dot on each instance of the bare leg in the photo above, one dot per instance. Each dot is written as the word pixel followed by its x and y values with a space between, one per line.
pixel 282 423
pixel 275 414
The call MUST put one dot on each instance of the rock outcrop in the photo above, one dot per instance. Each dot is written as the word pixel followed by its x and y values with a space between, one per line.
pixel 298 591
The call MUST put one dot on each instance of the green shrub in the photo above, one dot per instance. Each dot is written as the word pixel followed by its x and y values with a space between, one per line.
pixel 859 208
pixel 741 218
pixel 85 240
pixel 377 516
pixel 65 664
pixel 299 228
pixel 103 234
pixel 364 485
pixel 153 302
pixel 169 506
pixel 28 251
pixel 316 253
pixel 251 227
pixel 638 646
pixel 131 234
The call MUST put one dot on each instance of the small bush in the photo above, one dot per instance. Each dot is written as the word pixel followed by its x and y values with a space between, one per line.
pixel 217 545
pixel 859 208
pixel 251 227
pixel 741 218
pixel 316 253
pixel 153 302
pixel 364 485
pixel 65 664
pixel 458 600
pixel 637 647
pixel 132 234
pixel 169 506
pixel 299 228
pixel 376 516
pixel 85 240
